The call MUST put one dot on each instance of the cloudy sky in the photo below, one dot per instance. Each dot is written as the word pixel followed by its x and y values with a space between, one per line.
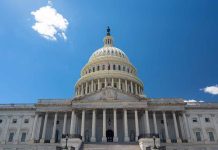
pixel 44 45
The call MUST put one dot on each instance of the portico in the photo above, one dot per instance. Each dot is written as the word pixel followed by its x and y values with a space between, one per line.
pixel 126 124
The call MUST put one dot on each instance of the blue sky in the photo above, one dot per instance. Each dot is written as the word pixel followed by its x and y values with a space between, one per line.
pixel 173 45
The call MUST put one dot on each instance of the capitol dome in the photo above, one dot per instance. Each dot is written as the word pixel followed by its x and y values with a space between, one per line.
pixel 109 67
pixel 108 51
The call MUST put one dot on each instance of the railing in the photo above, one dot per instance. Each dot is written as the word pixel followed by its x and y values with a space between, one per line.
pixel 36 141
pixel 159 148
pixel 72 136
pixel 151 135
pixel 47 141
pixel 163 140
pixel 184 141
pixel 173 141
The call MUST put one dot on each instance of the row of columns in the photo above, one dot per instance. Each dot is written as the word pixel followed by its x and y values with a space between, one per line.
pixel 134 87
pixel 42 140
pixel 126 135
pixel 104 139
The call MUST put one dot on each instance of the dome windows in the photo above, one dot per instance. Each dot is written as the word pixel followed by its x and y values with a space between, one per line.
pixel 115 67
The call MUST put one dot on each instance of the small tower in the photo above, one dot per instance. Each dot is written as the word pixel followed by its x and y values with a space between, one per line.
pixel 108 39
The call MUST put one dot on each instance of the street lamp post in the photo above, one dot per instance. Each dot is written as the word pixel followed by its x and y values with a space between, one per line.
pixel 64 147
pixel 66 142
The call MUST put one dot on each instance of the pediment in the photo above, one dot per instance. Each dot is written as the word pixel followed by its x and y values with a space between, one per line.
pixel 110 93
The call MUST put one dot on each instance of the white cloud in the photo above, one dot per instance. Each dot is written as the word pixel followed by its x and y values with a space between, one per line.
pixel 190 101
pixel 49 23
pixel 211 89
pixel 193 101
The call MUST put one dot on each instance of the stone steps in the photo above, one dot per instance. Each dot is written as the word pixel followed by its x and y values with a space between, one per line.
pixel 113 146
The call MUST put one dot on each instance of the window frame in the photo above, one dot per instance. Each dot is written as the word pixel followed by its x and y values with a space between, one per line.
pixel 198 138
pixel 11 137
pixel 21 138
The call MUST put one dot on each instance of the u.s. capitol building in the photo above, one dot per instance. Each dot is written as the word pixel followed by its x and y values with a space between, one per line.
pixel 109 111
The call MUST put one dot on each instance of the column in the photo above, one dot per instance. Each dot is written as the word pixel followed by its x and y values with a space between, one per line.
pixel 82 90
pixel 18 131
pixel 79 90
pixel 65 122
pixel 115 126
pixel 126 134
pixel 99 84
pixel 6 129
pixel 86 87
pixel 147 122
pixel 166 129
pixel 83 125
pixel 54 128
pixel 126 86
pixel 105 82
pixel 93 139
pixel 176 128
pixel 112 83
pixel 215 126
pixel 203 128
pixel 34 128
pixel 131 87
pixel 136 126
pixel 155 122
pixel 136 90
pixel 104 139
pixel 139 90
pixel 42 140
pixel 119 85
pixel 92 85
pixel 72 122
pixel 186 127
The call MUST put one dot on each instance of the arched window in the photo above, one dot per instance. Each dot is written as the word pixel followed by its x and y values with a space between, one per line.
pixel 98 68
pixel 108 67
pixel 93 69
pixel 124 68
pixel 89 70
pixel 114 67
pixel 103 67
pixel 118 67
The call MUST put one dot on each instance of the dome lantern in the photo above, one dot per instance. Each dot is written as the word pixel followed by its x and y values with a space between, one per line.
pixel 108 40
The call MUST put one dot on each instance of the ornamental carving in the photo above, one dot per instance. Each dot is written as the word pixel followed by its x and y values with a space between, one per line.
pixel 109 94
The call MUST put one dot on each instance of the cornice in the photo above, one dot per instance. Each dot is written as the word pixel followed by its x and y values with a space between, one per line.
pixel 109 73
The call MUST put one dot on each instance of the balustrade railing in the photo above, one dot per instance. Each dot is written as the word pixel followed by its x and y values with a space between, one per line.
pixel 72 136
pixel 148 135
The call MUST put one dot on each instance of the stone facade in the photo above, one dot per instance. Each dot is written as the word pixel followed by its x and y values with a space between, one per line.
pixel 108 111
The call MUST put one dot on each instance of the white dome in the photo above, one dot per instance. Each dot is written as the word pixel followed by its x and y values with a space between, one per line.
pixel 109 67
pixel 108 51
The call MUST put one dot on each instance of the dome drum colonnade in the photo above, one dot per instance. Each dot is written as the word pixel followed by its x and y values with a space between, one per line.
pixel 108 67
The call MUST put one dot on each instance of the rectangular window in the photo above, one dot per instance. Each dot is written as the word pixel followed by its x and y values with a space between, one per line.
pixel 23 137
pixel 11 136
pixel 194 119
pixel 26 121
pixel 14 121
pixel 207 119
pixel 211 136
pixel 198 136
pixel 161 121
